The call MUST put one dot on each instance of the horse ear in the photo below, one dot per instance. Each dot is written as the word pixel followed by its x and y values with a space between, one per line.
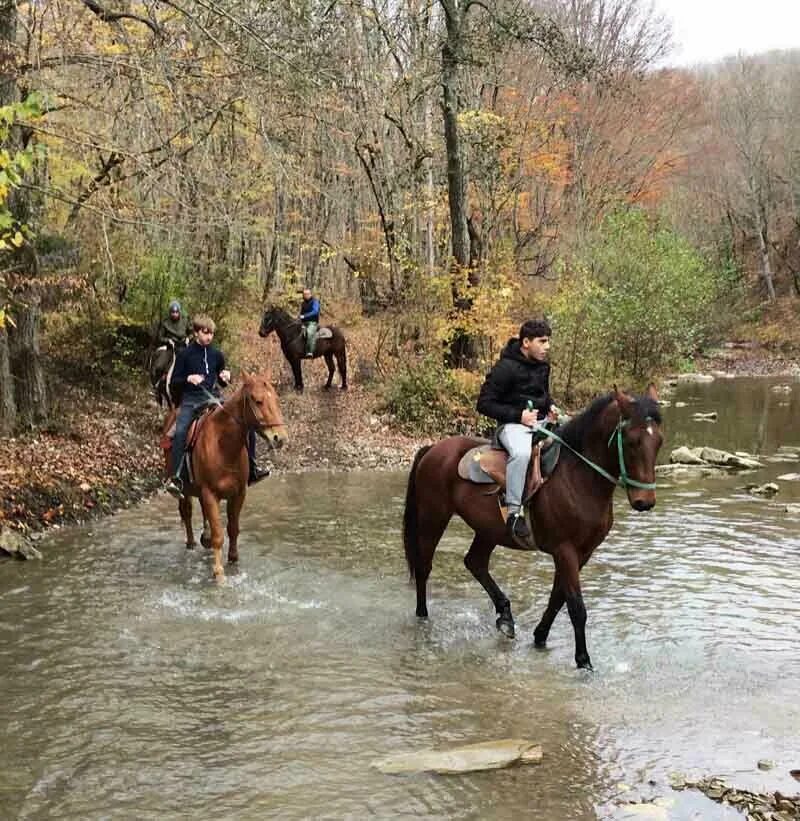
pixel 652 392
pixel 623 400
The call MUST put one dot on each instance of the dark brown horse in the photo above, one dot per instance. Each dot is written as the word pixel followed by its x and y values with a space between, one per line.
pixel 570 516
pixel 290 333
pixel 220 462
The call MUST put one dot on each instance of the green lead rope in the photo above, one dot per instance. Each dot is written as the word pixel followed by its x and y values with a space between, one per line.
pixel 624 480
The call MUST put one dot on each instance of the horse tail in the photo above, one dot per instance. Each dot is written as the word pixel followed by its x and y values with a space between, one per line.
pixel 410 533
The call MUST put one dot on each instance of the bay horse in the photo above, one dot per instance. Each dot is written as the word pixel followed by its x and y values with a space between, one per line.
pixel 220 464
pixel 290 333
pixel 614 441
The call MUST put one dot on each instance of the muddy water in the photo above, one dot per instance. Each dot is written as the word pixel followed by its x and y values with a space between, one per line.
pixel 133 687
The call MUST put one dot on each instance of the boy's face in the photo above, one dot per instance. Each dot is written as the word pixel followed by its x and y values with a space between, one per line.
pixel 204 336
pixel 536 348
pixel 307 293
pixel 175 313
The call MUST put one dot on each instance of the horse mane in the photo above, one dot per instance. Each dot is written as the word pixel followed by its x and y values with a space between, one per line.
pixel 575 432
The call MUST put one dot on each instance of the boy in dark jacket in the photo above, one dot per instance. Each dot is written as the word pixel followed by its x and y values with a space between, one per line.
pixel 516 393
pixel 199 368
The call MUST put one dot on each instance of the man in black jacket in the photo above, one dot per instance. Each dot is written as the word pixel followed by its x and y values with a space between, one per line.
pixel 516 394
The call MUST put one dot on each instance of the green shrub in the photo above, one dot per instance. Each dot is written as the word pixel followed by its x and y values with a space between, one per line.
pixel 426 397
pixel 637 303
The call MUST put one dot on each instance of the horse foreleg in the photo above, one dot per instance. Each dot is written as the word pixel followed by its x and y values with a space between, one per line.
pixel 211 509
pixel 329 363
pixel 185 508
pixel 477 562
pixel 341 361
pixel 297 371
pixel 234 510
pixel 554 605
pixel 568 568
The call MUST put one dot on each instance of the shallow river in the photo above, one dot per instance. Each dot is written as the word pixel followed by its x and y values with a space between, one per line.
pixel 134 687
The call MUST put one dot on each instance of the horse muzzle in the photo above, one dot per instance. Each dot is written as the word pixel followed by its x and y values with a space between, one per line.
pixel 275 436
pixel 643 500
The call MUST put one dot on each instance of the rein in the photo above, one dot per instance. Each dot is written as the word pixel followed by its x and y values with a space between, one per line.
pixel 246 398
pixel 624 480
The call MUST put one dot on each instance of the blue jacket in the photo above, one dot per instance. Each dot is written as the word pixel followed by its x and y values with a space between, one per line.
pixel 208 361
pixel 309 310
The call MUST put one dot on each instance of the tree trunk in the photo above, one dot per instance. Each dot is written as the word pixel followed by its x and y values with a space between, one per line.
pixel 8 407
pixel 763 247
pixel 27 384
pixel 30 393
pixel 463 350
pixel 456 180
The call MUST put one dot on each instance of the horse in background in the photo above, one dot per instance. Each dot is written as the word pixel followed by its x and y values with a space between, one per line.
pixel 614 441
pixel 219 460
pixel 162 363
pixel 290 333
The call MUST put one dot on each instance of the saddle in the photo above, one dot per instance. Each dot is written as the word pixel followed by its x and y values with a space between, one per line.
pixel 485 464
pixel 323 332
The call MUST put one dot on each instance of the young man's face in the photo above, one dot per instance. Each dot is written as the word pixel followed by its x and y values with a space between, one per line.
pixel 175 313
pixel 307 293
pixel 536 348
pixel 204 336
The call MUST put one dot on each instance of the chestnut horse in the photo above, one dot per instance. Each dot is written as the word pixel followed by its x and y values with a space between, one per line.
pixel 220 463
pixel 614 441
pixel 293 345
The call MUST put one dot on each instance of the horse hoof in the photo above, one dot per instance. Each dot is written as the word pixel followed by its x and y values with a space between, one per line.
pixel 585 664
pixel 344 387
pixel 506 627
pixel 191 545
pixel 233 559
pixel 540 644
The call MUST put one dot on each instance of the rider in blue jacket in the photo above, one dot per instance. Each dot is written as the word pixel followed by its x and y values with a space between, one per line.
pixel 309 316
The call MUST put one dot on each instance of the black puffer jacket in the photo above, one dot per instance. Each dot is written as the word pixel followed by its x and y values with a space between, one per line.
pixel 512 383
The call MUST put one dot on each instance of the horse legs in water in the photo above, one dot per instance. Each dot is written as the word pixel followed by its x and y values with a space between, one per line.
pixel 341 361
pixel 234 508
pixel 329 363
pixel 554 605
pixel 431 530
pixel 566 588
pixel 185 509
pixel 477 562
pixel 212 511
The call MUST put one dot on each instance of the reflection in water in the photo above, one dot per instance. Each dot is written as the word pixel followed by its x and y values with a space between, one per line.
pixel 134 687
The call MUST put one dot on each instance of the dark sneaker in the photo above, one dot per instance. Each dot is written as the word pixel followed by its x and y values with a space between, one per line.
pixel 257 474
pixel 174 486
pixel 518 528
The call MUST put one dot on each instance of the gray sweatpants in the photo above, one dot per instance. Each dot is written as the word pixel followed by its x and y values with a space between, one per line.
pixel 516 439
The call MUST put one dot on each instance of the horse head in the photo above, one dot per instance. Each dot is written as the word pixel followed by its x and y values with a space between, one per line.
pixel 273 318
pixel 637 439
pixel 262 409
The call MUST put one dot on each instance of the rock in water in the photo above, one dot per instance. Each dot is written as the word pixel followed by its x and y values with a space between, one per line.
pixel 705 417
pixel 16 545
pixel 490 755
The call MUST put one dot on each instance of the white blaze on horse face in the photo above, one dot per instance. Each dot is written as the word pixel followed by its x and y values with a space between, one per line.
pixel 650 429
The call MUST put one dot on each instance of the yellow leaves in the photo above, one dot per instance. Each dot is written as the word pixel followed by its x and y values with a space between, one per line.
pixel 17 240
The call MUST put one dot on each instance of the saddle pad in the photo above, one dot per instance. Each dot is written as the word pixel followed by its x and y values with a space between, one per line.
pixel 324 333
pixel 469 467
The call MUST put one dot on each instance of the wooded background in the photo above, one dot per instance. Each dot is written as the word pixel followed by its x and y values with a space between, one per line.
pixel 448 165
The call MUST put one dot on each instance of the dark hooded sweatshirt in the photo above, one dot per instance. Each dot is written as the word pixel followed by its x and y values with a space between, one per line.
pixel 512 383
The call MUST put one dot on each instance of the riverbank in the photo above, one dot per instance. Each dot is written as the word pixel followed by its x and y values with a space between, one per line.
pixel 100 455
